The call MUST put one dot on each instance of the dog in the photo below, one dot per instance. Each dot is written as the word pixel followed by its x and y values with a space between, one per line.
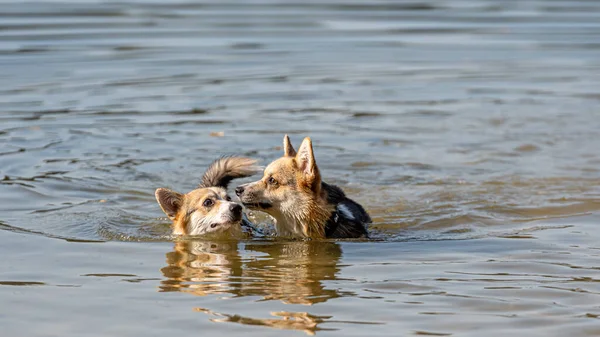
pixel 291 191
pixel 208 210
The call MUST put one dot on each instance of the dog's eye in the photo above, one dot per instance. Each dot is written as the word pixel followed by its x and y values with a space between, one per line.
pixel 272 181
pixel 207 203
pixel 228 198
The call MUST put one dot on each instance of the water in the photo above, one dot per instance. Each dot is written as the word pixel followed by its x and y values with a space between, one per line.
pixel 469 131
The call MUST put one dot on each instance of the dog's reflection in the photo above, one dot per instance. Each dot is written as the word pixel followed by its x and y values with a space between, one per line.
pixel 202 268
pixel 283 320
pixel 292 272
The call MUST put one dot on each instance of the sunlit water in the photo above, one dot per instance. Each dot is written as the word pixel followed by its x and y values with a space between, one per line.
pixel 468 129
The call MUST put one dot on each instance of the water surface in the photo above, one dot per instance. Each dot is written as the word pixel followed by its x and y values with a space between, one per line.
pixel 468 130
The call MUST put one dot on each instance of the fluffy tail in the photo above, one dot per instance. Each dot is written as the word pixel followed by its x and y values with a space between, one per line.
pixel 225 169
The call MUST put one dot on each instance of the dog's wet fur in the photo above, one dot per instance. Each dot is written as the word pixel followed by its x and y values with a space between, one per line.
pixel 291 191
pixel 208 210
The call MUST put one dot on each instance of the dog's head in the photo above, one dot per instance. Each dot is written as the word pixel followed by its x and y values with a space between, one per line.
pixel 289 184
pixel 208 209
pixel 201 211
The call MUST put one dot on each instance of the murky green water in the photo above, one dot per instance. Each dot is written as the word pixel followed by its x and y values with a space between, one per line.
pixel 468 129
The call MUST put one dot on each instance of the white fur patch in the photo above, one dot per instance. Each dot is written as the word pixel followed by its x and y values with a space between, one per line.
pixel 345 211
pixel 200 225
pixel 224 211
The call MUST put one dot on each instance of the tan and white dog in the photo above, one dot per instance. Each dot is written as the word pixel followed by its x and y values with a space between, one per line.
pixel 208 209
pixel 291 191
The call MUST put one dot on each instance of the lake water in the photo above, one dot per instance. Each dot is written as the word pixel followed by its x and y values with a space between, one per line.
pixel 470 130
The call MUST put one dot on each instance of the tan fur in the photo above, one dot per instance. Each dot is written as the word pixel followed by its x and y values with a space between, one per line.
pixel 299 206
pixel 190 214
pixel 288 149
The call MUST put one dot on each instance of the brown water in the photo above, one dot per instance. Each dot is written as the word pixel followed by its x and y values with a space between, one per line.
pixel 468 129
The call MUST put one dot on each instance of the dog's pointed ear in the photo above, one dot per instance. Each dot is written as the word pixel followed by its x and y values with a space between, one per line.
pixel 305 159
pixel 288 149
pixel 170 201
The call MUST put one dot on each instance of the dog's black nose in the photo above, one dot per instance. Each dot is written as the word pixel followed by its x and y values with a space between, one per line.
pixel 235 208
pixel 239 190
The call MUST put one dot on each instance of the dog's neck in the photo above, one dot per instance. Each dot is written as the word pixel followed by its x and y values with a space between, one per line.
pixel 288 225
pixel 306 219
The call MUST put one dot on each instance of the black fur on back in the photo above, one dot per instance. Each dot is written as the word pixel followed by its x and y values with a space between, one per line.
pixel 339 224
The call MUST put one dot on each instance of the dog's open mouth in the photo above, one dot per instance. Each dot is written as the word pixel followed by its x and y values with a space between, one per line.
pixel 263 205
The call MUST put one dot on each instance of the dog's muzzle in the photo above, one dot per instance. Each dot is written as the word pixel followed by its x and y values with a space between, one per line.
pixel 239 191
